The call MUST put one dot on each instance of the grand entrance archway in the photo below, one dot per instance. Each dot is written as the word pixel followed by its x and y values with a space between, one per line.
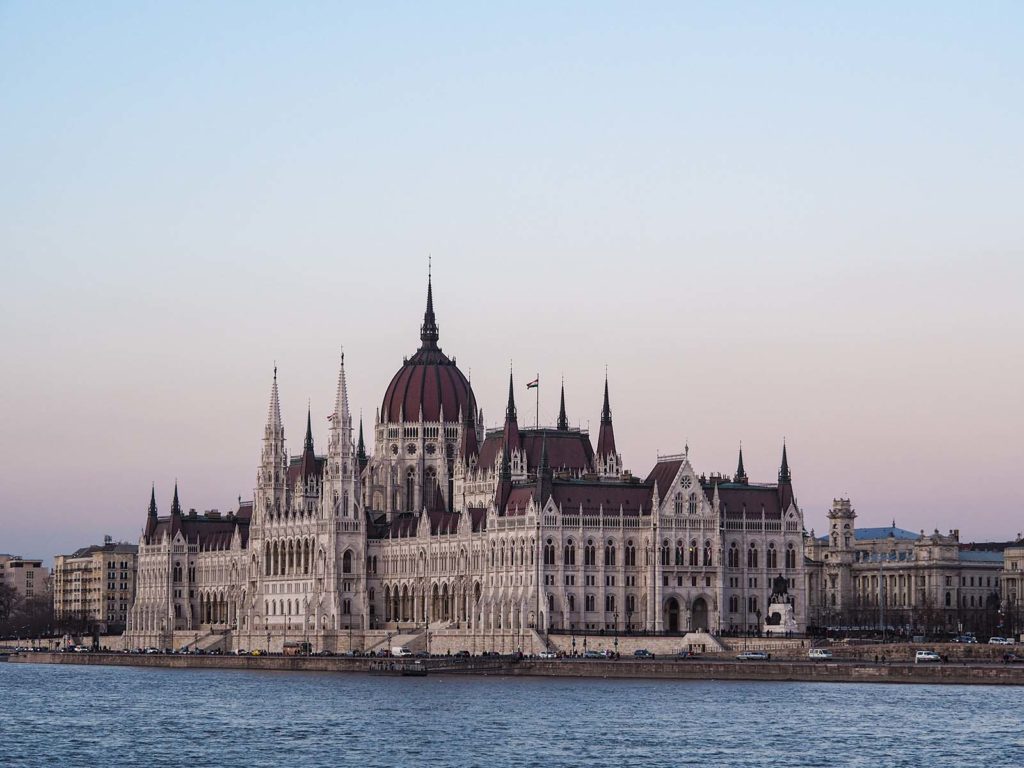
pixel 699 620
pixel 672 615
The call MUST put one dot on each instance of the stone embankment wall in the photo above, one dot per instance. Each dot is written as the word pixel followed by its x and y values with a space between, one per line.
pixel 774 671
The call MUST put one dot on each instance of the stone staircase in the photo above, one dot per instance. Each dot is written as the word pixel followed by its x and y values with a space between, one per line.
pixel 413 641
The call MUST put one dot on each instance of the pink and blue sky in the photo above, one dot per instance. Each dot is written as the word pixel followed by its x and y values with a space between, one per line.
pixel 766 221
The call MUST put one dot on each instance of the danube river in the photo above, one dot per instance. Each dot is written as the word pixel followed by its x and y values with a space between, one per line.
pixel 71 715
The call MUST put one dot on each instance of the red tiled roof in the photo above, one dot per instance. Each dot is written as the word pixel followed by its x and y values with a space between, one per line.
pixel 740 500
pixel 609 497
pixel 663 474
pixel 567 450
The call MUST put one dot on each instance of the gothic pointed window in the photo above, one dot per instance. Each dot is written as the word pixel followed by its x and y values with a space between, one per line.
pixel 410 489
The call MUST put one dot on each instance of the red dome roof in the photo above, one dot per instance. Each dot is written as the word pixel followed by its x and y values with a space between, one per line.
pixel 428 382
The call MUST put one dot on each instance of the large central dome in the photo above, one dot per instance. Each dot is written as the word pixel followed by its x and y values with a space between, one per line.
pixel 428 386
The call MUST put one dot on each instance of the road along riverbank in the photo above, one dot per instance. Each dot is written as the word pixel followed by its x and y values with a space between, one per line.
pixel 975 673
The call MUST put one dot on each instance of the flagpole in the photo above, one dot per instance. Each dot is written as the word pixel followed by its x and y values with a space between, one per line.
pixel 536 419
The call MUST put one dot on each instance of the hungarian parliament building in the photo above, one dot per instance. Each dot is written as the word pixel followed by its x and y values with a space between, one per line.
pixel 497 537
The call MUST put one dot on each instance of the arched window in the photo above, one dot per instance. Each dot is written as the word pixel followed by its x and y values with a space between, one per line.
pixel 609 553
pixel 590 553
pixel 752 557
pixel 679 504
pixel 734 556
pixel 570 554
pixel 790 556
pixel 549 552
pixel 346 561
pixel 665 552
pixel 430 488
pixel 693 553
pixel 630 554
pixel 734 604
pixel 707 554
pixel 266 565
pixel 410 489
pixel 692 505
pixel 680 553
pixel 571 600
pixel 772 559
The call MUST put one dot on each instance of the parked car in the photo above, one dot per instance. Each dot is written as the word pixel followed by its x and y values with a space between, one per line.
pixel 927 657
pixel 1000 641
pixel 1012 658
pixel 968 639
pixel 687 655
pixel 754 656
pixel 593 655
pixel 547 655
pixel 819 654
pixel 643 653
pixel 462 654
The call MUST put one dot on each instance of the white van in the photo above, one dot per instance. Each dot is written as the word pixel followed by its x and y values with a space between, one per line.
pixel 400 651
pixel 819 654
pixel 927 657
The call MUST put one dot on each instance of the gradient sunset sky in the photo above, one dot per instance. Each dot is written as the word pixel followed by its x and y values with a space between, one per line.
pixel 768 222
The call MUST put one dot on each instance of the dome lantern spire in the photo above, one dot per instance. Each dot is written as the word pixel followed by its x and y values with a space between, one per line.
pixel 428 331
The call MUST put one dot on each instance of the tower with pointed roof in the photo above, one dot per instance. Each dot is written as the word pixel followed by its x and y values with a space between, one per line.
pixel 740 477
pixel 608 460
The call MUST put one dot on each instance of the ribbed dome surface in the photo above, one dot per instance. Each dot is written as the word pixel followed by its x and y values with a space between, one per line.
pixel 428 385
pixel 430 382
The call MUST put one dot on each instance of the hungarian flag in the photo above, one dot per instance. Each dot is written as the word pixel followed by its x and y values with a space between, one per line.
pixel 534 384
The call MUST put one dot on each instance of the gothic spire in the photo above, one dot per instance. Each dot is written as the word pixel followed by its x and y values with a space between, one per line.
pixel 175 505
pixel 274 411
pixel 606 411
pixel 309 430
pixel 741 474
pixel 341 412
pixel 563 422
pixel 428 331
pixel 152 501
pixel 784 476
pixel 606 435
pixel 511 439
pixel 361 446
pixel 510 409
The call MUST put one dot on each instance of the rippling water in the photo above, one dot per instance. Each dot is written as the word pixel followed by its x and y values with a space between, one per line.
pixel 123 716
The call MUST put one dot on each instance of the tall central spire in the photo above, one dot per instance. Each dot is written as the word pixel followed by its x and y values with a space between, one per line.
pixel 428 331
